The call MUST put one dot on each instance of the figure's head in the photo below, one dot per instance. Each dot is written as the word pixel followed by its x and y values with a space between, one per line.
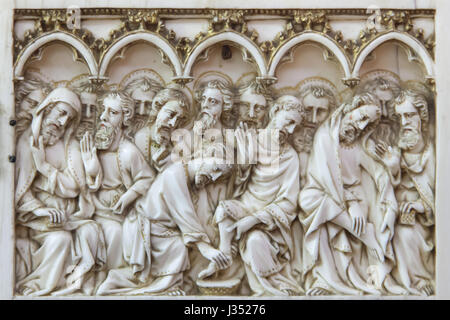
pixel 56 116
pixel 86 90
pixel 30 93
pixel 254 103
pixel 411 112
pixel 143 90
pixel 170 110
pixel 210 170
pixel 56 120
pixel 360 115
pixel 117 115
pixel 317 101
pixel 285 115
pixel 384 89
pixel 216 100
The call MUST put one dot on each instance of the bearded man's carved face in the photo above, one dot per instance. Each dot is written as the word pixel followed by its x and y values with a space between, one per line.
pixel 252 109
pixel 167 120
pixel 55 122
pixel 110 125
pixel 354 122
pixel 411 125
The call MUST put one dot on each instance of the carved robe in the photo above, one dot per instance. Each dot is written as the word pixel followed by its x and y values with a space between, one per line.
pixel 333 259
pixel 414 244
pixel 174 225
pixel 53 250
pixel 126 235
pixel 271 196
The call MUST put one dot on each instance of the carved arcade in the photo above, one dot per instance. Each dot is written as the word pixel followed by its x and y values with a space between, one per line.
pixel 212 184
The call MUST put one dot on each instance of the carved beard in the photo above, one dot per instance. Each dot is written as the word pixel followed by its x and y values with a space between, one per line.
pixel 409 137
pixel 104 136
pixel 348 133
pixel 252 124
pixel 207 121
pixel 282 137
pixel 51 132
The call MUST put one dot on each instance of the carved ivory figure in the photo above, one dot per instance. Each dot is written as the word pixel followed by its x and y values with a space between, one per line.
pixel 209 140
pixel 385 88
pixel 53 204
pixel 412 165
pixel 216 101
pixel 142 89
pixel 175 224
pixel 88 98
pixel 170 110
pixel 344 234
pixel 318 98
pixel 28 96
pixel 261 216
pixel 117 174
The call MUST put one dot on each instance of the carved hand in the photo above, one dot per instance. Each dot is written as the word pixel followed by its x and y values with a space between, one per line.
pixel 213 254
pixel 243 225
pixel 56 216
pixel 89 155
pixel 408 206
pixel 39 156
pixel 358 218
pixel 389 156
pixel 125 200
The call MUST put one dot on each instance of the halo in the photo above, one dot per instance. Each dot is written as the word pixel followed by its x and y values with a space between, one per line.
pixel 246 78
pixel 374 74
pixel 34 73
pixel 79 82
pixel 133 75
pixel 209 76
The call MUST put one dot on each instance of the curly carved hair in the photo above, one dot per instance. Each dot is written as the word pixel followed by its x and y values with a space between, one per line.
pixel 164 96
pixel 364 99
pixel 287 103
pixel 419 102
pixel 224 89
pixel 126 104
pixel 320 92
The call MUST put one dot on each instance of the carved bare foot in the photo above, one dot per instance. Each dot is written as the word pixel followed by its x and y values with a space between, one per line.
pixel 290 292
pixel 176 293
pixel 317 292
pixel 209 271
pixel 426 288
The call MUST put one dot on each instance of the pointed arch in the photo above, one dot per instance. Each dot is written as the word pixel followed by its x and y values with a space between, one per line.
pixel 406 39
pixel 314 37
pixel 145 36
pixel 227 36
pixel 56 36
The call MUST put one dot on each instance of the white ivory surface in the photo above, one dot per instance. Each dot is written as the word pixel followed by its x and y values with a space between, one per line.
pixel 411 73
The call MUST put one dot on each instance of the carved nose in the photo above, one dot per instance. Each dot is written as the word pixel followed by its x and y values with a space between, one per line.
pixel 314 116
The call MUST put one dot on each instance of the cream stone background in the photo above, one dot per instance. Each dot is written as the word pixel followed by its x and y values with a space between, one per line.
pixel 284 72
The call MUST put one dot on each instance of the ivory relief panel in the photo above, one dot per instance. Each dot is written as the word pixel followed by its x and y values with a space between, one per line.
pixel 224 152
